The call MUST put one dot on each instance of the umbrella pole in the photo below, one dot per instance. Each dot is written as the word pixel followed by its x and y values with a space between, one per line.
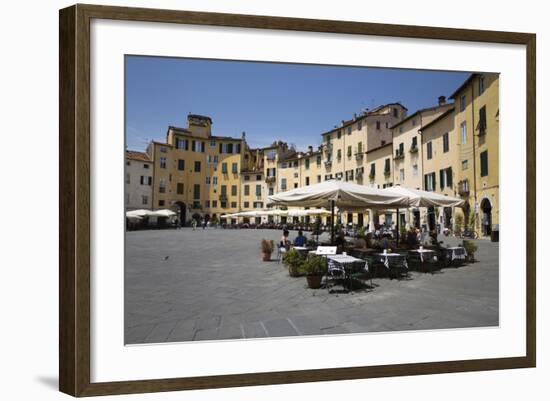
pixel 397 229
pixel 332 222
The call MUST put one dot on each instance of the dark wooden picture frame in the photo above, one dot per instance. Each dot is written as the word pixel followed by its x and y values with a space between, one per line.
pixel 74 204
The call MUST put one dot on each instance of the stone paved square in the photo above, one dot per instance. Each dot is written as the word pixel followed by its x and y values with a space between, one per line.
pixel 185 285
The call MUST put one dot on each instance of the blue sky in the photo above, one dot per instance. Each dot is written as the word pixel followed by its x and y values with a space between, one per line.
pixel 292 102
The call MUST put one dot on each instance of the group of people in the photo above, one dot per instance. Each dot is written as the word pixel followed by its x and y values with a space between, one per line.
pixel 300 240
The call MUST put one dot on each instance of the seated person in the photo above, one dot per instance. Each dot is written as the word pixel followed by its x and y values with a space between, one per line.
pixel 300 240
pixel 285 242
pixel 412 239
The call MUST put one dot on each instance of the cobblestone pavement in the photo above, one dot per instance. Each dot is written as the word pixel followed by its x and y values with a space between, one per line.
pixel 185 285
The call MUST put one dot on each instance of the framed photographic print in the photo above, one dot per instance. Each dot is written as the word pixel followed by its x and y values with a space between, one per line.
pixel 250 200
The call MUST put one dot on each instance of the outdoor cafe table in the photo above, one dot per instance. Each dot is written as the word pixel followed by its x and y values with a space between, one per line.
pixel 346 261
pixel 389 259
pixel 456 252
pixel 424 255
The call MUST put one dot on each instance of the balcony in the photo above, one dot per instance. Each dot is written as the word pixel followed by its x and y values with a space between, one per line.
pixel 387 173
pixel 399 155
pixel 270 179
pixel 413 149
pixel 359 156
pixel 328 147
pixel 328 163
pixel 223 197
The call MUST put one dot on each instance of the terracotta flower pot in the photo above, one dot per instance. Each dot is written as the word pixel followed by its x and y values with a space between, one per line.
pixel 314 281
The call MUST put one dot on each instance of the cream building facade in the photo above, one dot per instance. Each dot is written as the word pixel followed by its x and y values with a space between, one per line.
pixel 138 180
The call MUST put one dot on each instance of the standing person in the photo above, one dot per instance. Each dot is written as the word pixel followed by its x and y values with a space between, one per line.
pixel 194 224
pixel 204 221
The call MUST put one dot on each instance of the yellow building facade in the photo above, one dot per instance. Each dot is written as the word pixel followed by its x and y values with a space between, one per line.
pixel 477 134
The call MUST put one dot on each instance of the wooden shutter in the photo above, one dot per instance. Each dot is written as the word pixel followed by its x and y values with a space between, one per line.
pixel 202 147
pixel 450 177
pixel 441 178
pixel 221 148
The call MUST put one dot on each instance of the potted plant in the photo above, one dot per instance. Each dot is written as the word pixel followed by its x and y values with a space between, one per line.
pixel 471 249
pixel 314 268
pixel 267 249
pixel 293 260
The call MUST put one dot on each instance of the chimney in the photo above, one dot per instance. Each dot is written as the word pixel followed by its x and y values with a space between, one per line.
pixel 354 116
pixel 243 135
pixel 310 148
pixel 441 100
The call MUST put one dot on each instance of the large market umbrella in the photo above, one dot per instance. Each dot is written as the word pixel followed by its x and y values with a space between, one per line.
pixel 162 213
pixel 420 198
pixel 345 195
pixel 138 213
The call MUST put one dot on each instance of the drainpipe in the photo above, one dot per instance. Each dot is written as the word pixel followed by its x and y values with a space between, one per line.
pixel 474 161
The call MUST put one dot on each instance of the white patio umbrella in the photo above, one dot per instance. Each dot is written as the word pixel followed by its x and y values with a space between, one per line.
pixel 420 198
pixel 138 213
pixel 345 195
pixel 162 213
pixel 308 212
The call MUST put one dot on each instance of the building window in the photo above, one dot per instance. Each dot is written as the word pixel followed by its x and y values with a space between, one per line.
pixel 402 174
pixel 214 203
pixel 400 130
pixel 161 202
pixel 463 133
pixel 258 178
pixel 445 142
pixel 414 122
pixel 481 84
pixel 414 143
pixel 401 149
pixel 162 162
pixel 207 180
pixel 429 150
pixel 162 186
pixel 207 204
pixel 234 168
pixel 145 180
pixel 233 190
pixel 145 166
pixel 318 179
pixel 224 191
pixel 318 160
pixel 295 185
pixel 307 181
pixel 387 167
pixel 446 178
pixel 295 175
pixel 270 190
pixel 127 178
pixel 484 163
pixel 462 102
pixel 360 125
pixel 163 149
pixel 395 112
pixel 372 170
pixel 482 125
pixel 212 143
pixel 378 125
pixel 247 178
pixel 144 199
pixel 258 190
pixel 197 167
pixel 415 170
pixel 196 191
pixel 306 164
pixel 182 144
pixel 349 130
pixel 246 205
pixel 233 205
pixel 349 151
pixel 258 205
pixel 224 168
pixel 339 154
pixel 271 172
pixel 283 184
pixel 181 164
pixel 127 163
pixel 246 190
pixel 180 188
pixel 429 182
pixel 214 181
pixel 338 134
pixel 464 164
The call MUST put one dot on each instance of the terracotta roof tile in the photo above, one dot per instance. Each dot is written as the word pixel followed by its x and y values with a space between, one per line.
pixel 139 156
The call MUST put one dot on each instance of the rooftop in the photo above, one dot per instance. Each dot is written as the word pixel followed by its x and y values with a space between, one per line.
pixel 139 156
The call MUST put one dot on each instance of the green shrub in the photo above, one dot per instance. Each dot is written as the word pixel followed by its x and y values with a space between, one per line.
pixel 470 247
pixel 313 266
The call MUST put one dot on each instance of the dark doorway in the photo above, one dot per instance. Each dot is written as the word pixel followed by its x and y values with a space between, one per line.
pixel 486 220
pixel 182 213
pixel 431 218
pixel 360 219
pixel 447 216
pixel 416 218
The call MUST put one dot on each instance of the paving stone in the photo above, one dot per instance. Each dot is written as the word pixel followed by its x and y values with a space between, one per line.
pixel 279 328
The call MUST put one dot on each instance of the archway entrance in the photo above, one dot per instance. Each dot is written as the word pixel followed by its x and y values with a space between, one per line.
pixel 182 213
pixel 486 221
